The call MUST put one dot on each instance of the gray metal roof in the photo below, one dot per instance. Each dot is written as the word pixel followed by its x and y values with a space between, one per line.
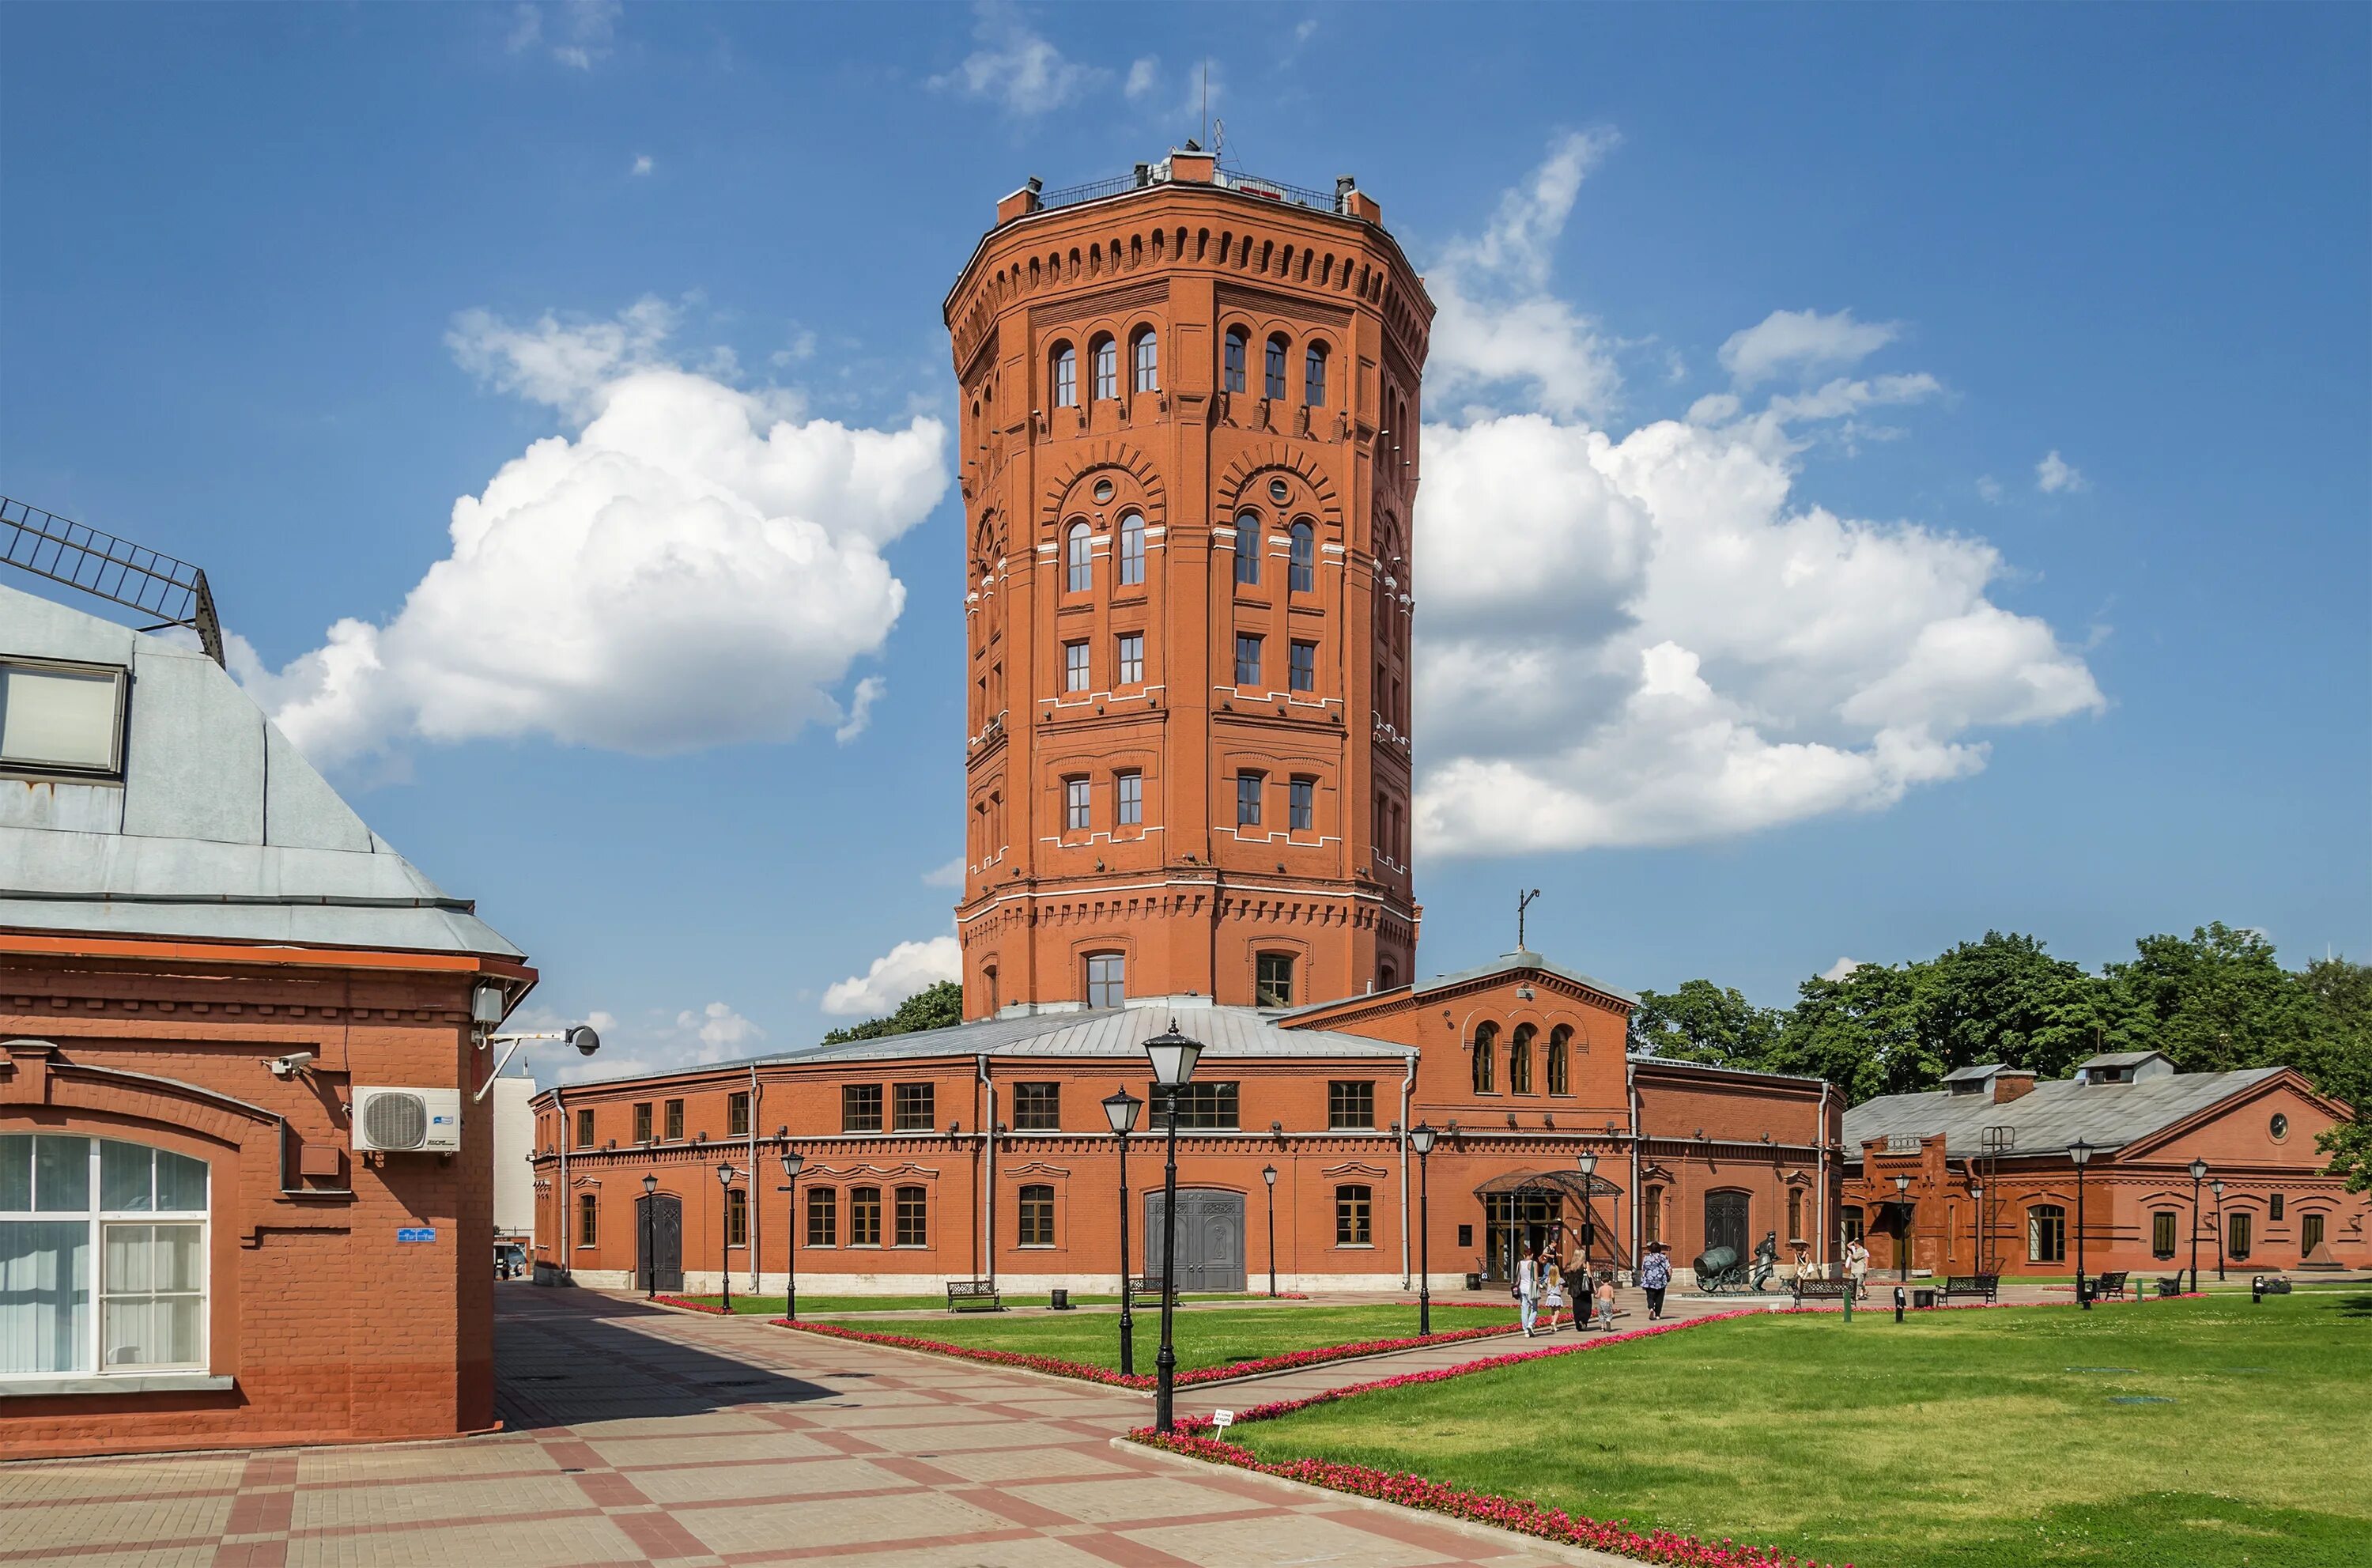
pixel 1522 959
pixel 1979 1073
pixel 2052 1116
pixel 220 829
pixel 2121 1059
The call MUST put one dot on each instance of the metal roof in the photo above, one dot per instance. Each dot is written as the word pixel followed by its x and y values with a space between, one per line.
pixel 218 830
pixel 2052 1116
pixel 2121 1058
pixel 1979 1073
pixel 1522 959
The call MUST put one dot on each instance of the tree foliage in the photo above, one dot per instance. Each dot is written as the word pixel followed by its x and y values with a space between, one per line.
pixel 935 1007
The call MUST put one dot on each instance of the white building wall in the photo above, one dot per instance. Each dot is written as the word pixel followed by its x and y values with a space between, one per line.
pixel 514 1142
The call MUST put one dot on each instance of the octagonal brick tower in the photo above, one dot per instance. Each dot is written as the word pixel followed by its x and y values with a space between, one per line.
pixel 1189 407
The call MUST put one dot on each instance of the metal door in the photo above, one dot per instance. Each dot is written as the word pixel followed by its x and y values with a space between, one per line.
pixel 1210 1240
pixel 1725 1223
pixel 659 1235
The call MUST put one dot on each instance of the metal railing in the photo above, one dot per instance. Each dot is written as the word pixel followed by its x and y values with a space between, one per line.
pixel 1224 178
pixel 173 592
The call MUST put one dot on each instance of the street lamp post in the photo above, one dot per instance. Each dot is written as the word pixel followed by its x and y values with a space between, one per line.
pixel 1173 1056
pixel 1903 1233
pixel 2216 1187
pixel 1589 1164
pixel 1120 1109
pixel 2080 1152
pixel 651 1238
pixel 1421 1139
pixel 792 1164
pixel 1977 1197
pixel 2198 1175
pixel 724 1237
pixel 1267 1175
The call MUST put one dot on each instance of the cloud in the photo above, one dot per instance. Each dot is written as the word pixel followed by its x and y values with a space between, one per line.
pixel 860 708
pixel 643 164
pixel 1143 76
pixel 697 565
pixel 657 1040
pixel 1015 68
pixel 1496 328
pixel 951 875
pixel 906 968
pixel 583 32
pixel 1802 341
pixel 1989 490
pixel 2055 474
pixel 1842 969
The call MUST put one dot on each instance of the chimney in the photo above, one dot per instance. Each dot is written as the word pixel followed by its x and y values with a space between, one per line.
pixel 2010 1083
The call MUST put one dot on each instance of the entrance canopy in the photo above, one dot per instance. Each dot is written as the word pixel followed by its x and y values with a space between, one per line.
pixel 1568 1182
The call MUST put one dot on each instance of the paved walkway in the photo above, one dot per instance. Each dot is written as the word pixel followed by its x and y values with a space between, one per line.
pixel 643 1436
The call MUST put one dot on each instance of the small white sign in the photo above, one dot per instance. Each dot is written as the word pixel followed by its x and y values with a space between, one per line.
pixel 1223 1419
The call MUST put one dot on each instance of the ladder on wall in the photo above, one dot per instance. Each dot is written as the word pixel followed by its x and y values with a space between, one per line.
pixel 1996 1141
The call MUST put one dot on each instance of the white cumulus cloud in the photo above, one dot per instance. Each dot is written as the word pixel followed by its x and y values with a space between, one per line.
pixel 1015 68
pixel 696 565
pixel 581 34
pixel 1842 969
pixel 2055 474
pixel 951 875
pixel 901 972
pixel 1801 341
pixel 1143 76
pixel 655 1041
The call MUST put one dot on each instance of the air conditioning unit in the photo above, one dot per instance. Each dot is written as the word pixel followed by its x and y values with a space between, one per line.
pixel 407 1120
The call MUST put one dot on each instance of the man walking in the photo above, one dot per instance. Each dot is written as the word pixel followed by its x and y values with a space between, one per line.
pixel 1527 1290
pixel 1655 1278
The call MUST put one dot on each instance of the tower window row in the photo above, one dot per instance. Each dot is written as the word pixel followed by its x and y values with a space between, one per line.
pixel 1128 801
pixel 1103 362
pixel 1079 554
pixel 1128 663
pixel 1301 573
pixel 1276 358
pixel 1300 801
pixel 1301 667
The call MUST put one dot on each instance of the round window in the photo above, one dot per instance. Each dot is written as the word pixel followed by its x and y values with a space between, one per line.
pixel 1103 490
pixel 2279 1127
pixel 1279 492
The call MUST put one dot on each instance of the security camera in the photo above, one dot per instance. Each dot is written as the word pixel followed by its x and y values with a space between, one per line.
pixel 582 1037
pixel 289 1066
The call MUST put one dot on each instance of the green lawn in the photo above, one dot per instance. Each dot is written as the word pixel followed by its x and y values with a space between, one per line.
pixel 772 1305
pixel 1206 1337
pixel 1966 1439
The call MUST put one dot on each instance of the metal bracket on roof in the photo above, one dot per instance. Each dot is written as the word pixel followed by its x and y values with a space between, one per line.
pixel 113 569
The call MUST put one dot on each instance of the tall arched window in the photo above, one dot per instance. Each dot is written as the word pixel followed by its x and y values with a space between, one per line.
pixel 1145 353
pixel 2046 1233
pixel 95 1219
pixel 1132 548
pixel 1248 547
pixel 1078 551
pixel 1231 367
pixel 1275 378
pixel 1305 559
pixel 1520 1060
pixel 1556 1074
pixel 1313 376
pixel 1106 368
pixel 1486 1059
pixel 1066 377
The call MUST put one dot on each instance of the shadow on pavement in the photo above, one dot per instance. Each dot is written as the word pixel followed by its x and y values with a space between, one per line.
pixel 566 1357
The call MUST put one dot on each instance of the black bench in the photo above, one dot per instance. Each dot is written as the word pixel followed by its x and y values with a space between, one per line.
pixel 973 1295
pixel 1822 1289
pixel 1985 1285
pixel 2110 1286
pixel 1145 1290
pixel 2170 1284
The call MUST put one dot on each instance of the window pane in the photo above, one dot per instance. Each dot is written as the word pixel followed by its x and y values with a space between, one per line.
pixel 1305 666
pixel 44 1295
pixel 1132 799
pixel 15 1173
pixel 57 718
pixel 123 1170
pixel 60 1175
pixel 1248 547
pixel 823 1218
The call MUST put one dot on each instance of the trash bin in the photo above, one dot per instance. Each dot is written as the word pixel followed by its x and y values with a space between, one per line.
pixel 1922 1299
pixel 1061 1302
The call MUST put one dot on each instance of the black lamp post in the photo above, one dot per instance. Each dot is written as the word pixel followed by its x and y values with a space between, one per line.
pixel 1977 1196
pixel 1421 1139
pixel 651 1239
pixel 2080 1152
pixel 1173 1057
pixel 2216 1187
pixel 2198 1175
pixel 792 1164
pixel 1589 1164
pixel 1120 1109
pixel 1903 1233
pixel 1267 1175
pixel 724 1237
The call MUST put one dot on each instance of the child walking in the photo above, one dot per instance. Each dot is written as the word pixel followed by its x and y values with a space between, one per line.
pixel 1606 1302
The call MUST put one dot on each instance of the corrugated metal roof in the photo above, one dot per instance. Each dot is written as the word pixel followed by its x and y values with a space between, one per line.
pixel 1506 962
pixel 2052 1116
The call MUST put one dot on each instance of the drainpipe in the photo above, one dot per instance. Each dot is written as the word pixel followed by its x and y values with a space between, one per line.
pixel 1822 1138
pixel 1630 1095
pixel 757 1227
pixel 988 1187
pixel 1406 1083
pixel 566 1243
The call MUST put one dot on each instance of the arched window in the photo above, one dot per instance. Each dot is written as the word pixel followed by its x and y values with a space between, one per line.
pixel 1079 551
pixel 1248 547
pixel 1132 548
pixel 1556 1075
pixel 1486 1059
pixel 1313 376
pixel 1037 1208
pixel 1106 368
pixel 93 1218
pixel 1231 368
pixel 1520 1060
pixel 1354 1216
pixel 2046 1233
pixel 1305 559
pixel 1066 377
pixel 1387 976
pixel 1145 353
pixel 1275 378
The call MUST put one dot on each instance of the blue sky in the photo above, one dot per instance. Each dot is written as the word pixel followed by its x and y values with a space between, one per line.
pixel 1893 472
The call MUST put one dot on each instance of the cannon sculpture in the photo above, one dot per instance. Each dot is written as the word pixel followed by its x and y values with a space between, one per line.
pixel 1721 1269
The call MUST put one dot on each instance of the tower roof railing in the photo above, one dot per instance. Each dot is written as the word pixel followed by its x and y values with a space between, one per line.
pixel 1236 180
pixel 173 592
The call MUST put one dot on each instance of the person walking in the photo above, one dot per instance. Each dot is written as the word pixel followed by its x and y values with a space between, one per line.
pixel 1606 1302
pixel 1655 1278
pixel 1554 1285
pixel 1527 1290
pixel 1858 1268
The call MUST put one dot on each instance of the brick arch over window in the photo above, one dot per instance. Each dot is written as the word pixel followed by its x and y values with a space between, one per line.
pixel 1063 491
pixel 1246 478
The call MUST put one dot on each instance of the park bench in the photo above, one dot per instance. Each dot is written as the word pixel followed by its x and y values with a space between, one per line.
pixel 2170 1284
pixel 973 1295
pixel 1145 1290
pixel 1985 1285
pixel 1822 1289
pixel 2109 1286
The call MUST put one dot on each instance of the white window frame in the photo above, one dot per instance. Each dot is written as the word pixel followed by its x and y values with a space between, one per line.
pixel 33 767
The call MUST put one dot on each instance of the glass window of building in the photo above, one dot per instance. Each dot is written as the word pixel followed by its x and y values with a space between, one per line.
pixel 125 1221
pixel 1066 377
pixel 823 1217
pixel 1074 667
pixel 1037 1108
pixel 1520 1060
pixel 2162 1228
pixel 1301 805
pixel 2046 1233
pixel 1146 355
pixel 1350 1105
pixel 1248 659
pixel 643 1121
pixel 1248 547
pixel 913 1218
pixel 1232 365
pixel 1305 559
pixel 1313 374
pixel 1037 1217
pixel 2237 1227
pixel 860 1107
pixel 1106 980
pixel 737 1217
pixel 1107 354
pixel 674 1122
pixel 910 1107
pixel 1558 1036
pixel 1353 1217
pixel 1130 652
pixel 1305 666
pixel 1486 1059
pixel 737 1114
pixel 1080 557
pixel 1132 548
pixel 61 718
pixel 1129 791
pixel 589 1219
pixel 865 1216
pixel 1078 814
pixel 1273 981
pixel 1203 1106
pixel 1247 799
pixel 585 1128
pixel 1275 380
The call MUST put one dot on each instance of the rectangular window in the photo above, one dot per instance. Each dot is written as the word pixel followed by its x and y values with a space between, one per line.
pixel 153 1295
pixel 2162 1226
pixel 913 1227
pixel 1248 659
pixel 1037 1210
pixel 61 718
pixel 1301 805
pixel 737 1114
pixel 1795 1215
pixel 1107 369
pixel 1305 666
pixel 912 1108
pixel 1129 659
pixel 1130 790
pixel 2309 1234
pixel 1074 667
pixel 643 1121
pixel 823 1217
pixel 1313 376
pixel 589 1219
pixel 1077 813
pixel 1106 980
pixel 2237 1237
pixel 1148 361
pixel 675 1122
pixel 1350 1105
pixel 1354 1225
pixel 1205 1105
pixel 585 1129
pixel 2273 1208
pixel 1232 371
pixel 1273 981
pixel 1066 378
pixel 1037 1108
pixel 2046 1233
pixel 737 1217
pixel 1276 366
pixel 865 1216
pixel 1247 799
pixel 63 1247
pixel 1651 1216
pixel 860 1107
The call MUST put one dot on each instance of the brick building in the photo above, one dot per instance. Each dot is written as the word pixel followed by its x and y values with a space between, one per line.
pixel 192 1253
pixel 1189 460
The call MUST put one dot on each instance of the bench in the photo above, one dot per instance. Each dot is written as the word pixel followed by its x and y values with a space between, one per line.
pixel 1985 1285
pixel 1822 1289
pixel 2110 1286
pixel 1145 1290
pixel 2170 1284
pixel 973 1295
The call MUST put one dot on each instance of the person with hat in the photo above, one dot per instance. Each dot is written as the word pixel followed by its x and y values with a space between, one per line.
pixel 1655 1278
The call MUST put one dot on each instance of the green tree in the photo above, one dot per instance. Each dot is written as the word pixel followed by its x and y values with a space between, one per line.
pixel 2215 1002
pixel 935 1007
pixel 1704 1022
pixel 1861 1033
pixel 2004 999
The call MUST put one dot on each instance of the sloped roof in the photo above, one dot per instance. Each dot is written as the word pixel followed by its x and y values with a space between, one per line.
pixel 2052 1116
pixel 220 829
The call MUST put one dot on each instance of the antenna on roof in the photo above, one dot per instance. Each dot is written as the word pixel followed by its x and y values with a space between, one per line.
pixel 1206 97
pixel 113 569
pixel 1523 903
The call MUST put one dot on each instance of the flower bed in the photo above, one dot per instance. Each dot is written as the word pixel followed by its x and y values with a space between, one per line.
pixel 710 1309
pixel 1317 1355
